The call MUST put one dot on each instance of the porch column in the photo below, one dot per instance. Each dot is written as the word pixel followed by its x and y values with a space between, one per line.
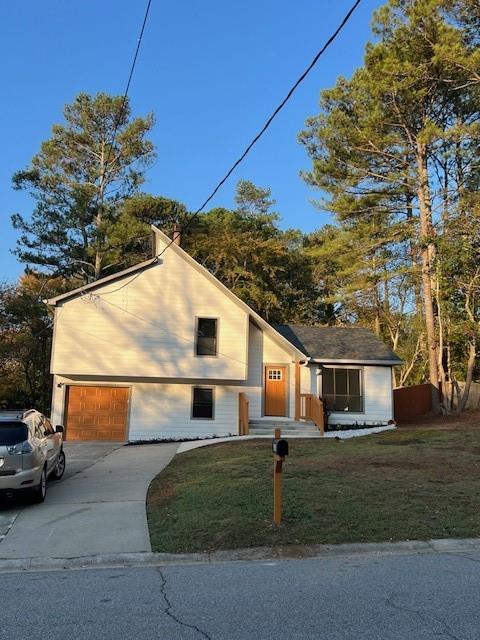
pixel 297 391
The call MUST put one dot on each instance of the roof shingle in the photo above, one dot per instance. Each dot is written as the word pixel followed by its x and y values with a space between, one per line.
pixel 338 343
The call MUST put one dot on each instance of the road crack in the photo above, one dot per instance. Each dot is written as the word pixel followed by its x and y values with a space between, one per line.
pixel 447 630
pixel 10 521
pixel 168 608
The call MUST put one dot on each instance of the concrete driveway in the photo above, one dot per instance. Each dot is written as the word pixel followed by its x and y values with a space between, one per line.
pixel 97 508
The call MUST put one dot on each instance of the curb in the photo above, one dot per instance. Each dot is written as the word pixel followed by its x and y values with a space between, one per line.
pixel 255 554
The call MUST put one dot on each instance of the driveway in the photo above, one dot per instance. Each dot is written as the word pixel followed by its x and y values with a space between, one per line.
pixel 80 455
pixel 98 508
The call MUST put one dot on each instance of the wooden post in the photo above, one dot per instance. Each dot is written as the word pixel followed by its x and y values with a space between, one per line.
pixel 277 484
pixel 297 391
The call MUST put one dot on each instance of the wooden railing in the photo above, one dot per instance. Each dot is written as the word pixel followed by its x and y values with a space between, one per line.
pixel 242 414
pixel 311 408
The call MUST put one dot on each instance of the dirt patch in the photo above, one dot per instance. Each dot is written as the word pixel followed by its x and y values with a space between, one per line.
pixel 446 422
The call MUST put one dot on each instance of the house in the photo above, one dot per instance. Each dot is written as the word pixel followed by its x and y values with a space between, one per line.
pixel 164 350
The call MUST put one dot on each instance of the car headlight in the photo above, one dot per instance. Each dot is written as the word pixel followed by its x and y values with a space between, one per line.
pixel 21 447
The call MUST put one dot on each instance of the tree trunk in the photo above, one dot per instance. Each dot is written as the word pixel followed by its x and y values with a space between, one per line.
pixel 472 349
pixel 441 324
pixel 472 352
pixel 427 250
pixel 99 215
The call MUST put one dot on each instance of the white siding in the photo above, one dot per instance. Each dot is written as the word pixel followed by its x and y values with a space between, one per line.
pixel 147 327
pixel 378 398
pixel 308 380
pixel 264 350
pixel 163 409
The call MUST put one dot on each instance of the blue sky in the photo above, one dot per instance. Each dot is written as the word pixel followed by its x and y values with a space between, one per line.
pixel 210 71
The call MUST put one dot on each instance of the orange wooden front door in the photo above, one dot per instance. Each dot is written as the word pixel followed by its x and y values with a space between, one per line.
pixel 275 391
pixel 96 413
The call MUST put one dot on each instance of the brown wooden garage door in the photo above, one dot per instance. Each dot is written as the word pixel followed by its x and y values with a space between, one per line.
pixel 96 413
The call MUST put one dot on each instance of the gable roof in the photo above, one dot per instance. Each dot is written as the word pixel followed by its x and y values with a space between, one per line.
pixel 161 241
pixel 354 345
pixel 63 297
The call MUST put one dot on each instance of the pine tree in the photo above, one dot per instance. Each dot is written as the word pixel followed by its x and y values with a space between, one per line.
pixel 80 178
pixel 380 142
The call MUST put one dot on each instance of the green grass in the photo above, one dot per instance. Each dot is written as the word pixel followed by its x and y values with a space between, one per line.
pixel 416 483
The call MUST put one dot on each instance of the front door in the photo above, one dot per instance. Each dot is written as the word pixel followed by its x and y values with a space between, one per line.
pixel 275 391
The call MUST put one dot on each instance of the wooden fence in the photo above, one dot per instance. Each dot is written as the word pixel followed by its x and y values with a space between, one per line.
pixel 412 402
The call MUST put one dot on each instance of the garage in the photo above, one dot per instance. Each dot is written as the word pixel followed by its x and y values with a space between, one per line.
pixel 96 413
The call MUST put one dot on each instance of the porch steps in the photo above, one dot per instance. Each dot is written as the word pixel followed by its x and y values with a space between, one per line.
pixel 288 427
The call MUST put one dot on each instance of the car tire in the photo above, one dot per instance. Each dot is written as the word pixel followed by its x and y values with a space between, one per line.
pixel 40 491
pixel 59 468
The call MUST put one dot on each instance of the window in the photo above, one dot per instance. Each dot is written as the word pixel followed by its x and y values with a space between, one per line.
pixel 206 339
pixel 342 389
pixel 202 405
pixel 12 433
pixel 274 374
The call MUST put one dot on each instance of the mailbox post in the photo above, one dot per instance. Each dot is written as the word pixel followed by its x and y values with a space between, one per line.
pixel 280 450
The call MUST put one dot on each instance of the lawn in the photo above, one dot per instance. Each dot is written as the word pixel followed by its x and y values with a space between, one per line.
pixel 418 482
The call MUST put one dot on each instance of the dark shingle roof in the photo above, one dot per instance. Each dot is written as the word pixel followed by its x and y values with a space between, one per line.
pixel 338 343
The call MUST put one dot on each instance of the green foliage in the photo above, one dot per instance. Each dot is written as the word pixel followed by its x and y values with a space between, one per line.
pixel 266 267
pixel 79 180
pixel 393 149
pixel 25 342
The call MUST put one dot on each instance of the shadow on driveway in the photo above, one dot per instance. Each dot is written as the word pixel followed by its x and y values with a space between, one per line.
pixel 80 456
pixel 97 508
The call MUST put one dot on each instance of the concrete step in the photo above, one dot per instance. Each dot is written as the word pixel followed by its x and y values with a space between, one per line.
pixel 288 428
pixel 272 424
pixel 314 433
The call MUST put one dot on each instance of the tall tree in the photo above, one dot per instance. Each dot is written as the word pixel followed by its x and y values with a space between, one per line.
pixel 265 266
pixel 93 162
pixel 380 140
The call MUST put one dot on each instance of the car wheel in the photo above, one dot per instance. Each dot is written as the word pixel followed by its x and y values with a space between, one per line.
pixel 59 468
pixel 40 491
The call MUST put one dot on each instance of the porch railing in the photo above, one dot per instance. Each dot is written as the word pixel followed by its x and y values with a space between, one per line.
pixel 311 408
pixel 242 414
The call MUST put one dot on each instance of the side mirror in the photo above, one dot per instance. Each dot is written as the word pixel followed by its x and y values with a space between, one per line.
pixel 59 428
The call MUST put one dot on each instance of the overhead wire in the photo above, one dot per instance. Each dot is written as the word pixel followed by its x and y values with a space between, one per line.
pixel 127 89
pixel 271 118
pixel 130 76
pixel 257 137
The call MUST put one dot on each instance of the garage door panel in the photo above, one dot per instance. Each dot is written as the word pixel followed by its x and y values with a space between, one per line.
pixel 96 413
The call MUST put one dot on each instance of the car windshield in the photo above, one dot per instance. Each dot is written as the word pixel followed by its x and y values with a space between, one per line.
pixel 12 433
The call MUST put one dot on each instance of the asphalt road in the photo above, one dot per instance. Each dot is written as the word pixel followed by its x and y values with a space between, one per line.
pixel 407 597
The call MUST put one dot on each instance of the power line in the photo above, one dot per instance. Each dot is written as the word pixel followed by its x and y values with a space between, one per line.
pixel 130 76
pixel 124 98
pixel 125 93
pixel 257 137
pixel 269 121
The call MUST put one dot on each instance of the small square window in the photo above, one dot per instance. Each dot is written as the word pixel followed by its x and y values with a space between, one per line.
pixel 202 403
pixel 274 374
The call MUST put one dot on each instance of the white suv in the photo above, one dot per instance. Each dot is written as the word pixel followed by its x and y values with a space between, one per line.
pixel 30 451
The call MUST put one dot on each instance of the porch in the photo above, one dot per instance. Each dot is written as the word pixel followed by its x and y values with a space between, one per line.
pixel 309 421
